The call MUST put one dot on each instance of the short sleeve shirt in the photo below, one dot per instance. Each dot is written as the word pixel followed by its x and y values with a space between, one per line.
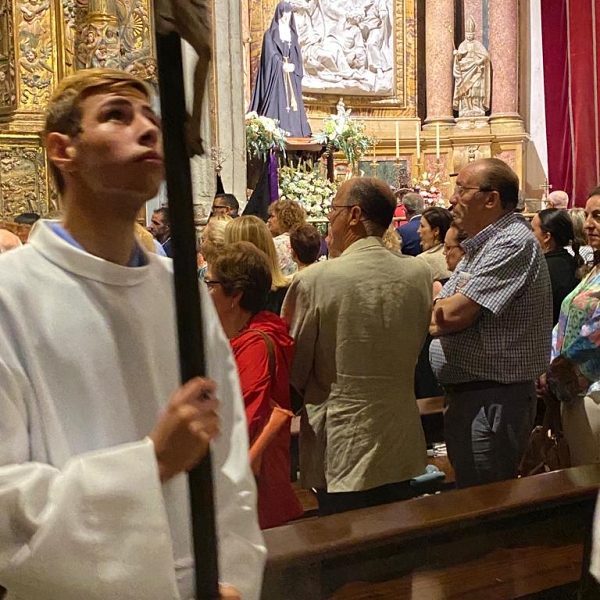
pixel 503 271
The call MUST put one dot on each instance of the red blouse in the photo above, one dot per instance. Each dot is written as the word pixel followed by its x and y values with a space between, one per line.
pixel 277 501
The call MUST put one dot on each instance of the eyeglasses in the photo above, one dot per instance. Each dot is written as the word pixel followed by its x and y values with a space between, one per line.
pixel 335 206
pixel 447 248
pixel 460 190
pixel 215 206
pixel 211 283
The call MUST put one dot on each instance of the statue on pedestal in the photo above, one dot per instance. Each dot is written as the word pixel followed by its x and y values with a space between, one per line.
pixel 472 76
pixel 278 90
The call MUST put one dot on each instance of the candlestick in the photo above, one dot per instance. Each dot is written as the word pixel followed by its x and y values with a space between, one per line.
pixel 437 140
pixel 397 139
pixel 418 132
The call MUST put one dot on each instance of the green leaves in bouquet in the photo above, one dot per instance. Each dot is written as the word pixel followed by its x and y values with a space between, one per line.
pixel 305 184
pixel 263 134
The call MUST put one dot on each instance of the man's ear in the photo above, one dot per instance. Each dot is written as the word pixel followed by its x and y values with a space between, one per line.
pixel 355 215
pixel 60 150
pixel 493 200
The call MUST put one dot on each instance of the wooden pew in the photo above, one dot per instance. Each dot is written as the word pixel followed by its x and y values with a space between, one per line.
pixel 499 541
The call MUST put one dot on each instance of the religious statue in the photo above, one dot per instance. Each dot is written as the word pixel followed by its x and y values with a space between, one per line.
pixel 377 31
pixel 472 69
pixel 278 90
pixel 343 114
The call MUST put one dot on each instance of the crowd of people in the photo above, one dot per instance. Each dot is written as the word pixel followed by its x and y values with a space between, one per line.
pixel 98 432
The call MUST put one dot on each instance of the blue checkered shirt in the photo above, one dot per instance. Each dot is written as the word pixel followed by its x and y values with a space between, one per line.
pixel 503 271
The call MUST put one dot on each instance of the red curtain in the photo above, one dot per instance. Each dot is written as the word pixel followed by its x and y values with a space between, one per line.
pixel 571 49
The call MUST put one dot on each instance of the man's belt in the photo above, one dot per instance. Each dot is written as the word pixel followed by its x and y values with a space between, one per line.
pixel 473 386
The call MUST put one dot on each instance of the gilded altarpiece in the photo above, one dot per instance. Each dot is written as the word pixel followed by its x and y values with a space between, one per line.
pixel 387 90
pixel 23 180
pixel 42 41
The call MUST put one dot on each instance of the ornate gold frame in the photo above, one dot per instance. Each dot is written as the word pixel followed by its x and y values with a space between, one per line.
pixel 403 102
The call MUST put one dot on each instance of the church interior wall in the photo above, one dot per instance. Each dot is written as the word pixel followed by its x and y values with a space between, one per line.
pixel 502 134
pixel 48 40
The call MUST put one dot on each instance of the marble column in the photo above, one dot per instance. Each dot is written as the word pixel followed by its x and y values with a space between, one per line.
pixel 439 44
pixel 504 31
pixel 231 133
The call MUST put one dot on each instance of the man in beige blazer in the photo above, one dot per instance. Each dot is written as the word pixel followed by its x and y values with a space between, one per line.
pixel 359 322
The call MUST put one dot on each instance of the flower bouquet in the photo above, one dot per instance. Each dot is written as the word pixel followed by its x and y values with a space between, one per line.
pixel 429 187
pixel 305 185
pixel 342 132
pixel 263 135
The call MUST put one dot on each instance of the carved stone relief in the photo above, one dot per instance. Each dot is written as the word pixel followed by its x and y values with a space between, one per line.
pixel 109 33
pixel 37 60
pixel 346 46
pixel 23 186
pixel 366 49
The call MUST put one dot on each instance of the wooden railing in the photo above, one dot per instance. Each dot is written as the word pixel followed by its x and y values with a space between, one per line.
pixel 502 540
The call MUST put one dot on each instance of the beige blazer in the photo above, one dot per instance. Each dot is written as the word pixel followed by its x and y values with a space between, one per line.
pixel 436 260
pixel 359 322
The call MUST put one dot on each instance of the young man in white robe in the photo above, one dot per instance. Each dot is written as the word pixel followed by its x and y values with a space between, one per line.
pixel 96 433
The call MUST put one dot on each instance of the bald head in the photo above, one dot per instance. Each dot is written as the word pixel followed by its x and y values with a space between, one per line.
pixel 375 198
pixel 558 199
pixel 8 241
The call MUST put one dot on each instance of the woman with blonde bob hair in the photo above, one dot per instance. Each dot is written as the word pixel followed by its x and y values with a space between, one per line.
pixel 252 229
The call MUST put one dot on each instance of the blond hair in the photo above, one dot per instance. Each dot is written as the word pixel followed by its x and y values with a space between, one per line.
pixel 391 239
pixel 252 229
pixel 578 218
pixel 213 237
pixel 63 114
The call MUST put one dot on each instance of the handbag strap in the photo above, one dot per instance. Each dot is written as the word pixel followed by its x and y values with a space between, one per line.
pixel 552 418
pixel 272 365
pixel 270 351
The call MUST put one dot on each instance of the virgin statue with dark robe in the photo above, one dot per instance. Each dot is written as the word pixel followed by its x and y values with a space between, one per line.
pixel 278 90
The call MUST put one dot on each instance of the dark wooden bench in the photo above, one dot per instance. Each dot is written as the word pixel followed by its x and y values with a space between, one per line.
pixel 512 539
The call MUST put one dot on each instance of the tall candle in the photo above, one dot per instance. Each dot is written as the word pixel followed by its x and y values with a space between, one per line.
pixel 437 140
pixel 418 132
pixel 397 139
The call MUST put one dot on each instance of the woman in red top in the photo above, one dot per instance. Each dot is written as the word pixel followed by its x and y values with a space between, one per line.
pixel 239 280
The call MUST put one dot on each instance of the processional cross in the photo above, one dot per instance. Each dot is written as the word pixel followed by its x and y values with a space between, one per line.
pixel 190 20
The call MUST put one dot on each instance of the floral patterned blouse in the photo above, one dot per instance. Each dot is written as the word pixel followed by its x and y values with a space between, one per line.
pixel 284 254
pixel 577 334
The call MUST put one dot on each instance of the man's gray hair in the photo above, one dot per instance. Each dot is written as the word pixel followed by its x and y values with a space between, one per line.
pixel 413 203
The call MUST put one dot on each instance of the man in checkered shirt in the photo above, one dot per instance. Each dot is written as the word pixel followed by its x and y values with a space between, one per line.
pixel 492 325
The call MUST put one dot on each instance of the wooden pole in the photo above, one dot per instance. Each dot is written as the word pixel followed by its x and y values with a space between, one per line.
pixel 187 296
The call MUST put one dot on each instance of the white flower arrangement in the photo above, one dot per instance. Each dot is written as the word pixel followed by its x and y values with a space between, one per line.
pixel 263 134
pixel 305 185
pixel 342 132
pixel 429 187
